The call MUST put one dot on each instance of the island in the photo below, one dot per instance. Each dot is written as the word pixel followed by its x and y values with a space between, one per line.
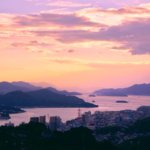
pixel 137 89
pixel 92 95
pixel 42 98
pixel 5 111
pixel 121 101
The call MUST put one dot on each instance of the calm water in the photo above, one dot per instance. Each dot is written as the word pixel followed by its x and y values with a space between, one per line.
pixel 105 104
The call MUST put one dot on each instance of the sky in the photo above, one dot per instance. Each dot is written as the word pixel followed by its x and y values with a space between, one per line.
pixel 75 44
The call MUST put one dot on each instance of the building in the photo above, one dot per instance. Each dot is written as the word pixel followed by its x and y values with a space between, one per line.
pixel 9 124
pixel 86 118
pixel 42 119
pixel 34 119
pixel 55 122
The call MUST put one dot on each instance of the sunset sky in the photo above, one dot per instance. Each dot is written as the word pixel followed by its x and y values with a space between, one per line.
pixel 75 44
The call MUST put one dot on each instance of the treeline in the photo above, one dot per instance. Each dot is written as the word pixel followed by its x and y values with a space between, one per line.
pixel 35 136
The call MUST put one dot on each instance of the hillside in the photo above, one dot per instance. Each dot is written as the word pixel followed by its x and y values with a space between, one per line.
pixel 137 89
pixel 6 87
pixel 41 98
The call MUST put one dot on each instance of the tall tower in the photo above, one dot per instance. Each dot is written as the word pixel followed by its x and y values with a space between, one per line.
pixel 79 113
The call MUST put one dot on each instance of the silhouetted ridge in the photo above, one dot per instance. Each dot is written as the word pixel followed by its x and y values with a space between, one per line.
pixel 41 98
pixel 6 87
pixel 137 89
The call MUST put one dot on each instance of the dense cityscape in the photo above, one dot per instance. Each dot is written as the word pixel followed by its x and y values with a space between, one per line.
pixel 94 121
pixel 104 130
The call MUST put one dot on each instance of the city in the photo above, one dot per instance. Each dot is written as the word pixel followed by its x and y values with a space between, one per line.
pixel 74 74
pixel 110 129
pixel 93 121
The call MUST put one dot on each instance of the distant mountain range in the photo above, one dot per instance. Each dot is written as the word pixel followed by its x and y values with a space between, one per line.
pixel 6 87
pixel 137 89
pixel 64 92
pixel 22 94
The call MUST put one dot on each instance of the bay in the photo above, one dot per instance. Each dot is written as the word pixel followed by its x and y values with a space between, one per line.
pixel 105 103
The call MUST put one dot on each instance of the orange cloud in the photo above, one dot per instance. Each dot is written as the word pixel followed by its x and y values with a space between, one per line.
pixel 82 47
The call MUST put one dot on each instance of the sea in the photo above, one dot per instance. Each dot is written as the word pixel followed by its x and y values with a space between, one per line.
pixel 105 103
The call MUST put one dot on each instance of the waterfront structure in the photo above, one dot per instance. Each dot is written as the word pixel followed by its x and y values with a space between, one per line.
pixel 55 122
pixel 9 124
pixel 96 120
pixel 34 119
pixel 42 119
pixel 86 118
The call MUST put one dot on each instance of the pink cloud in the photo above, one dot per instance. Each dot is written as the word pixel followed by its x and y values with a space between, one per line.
pixel 53 19
pixel 132 35
pixel 121 11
